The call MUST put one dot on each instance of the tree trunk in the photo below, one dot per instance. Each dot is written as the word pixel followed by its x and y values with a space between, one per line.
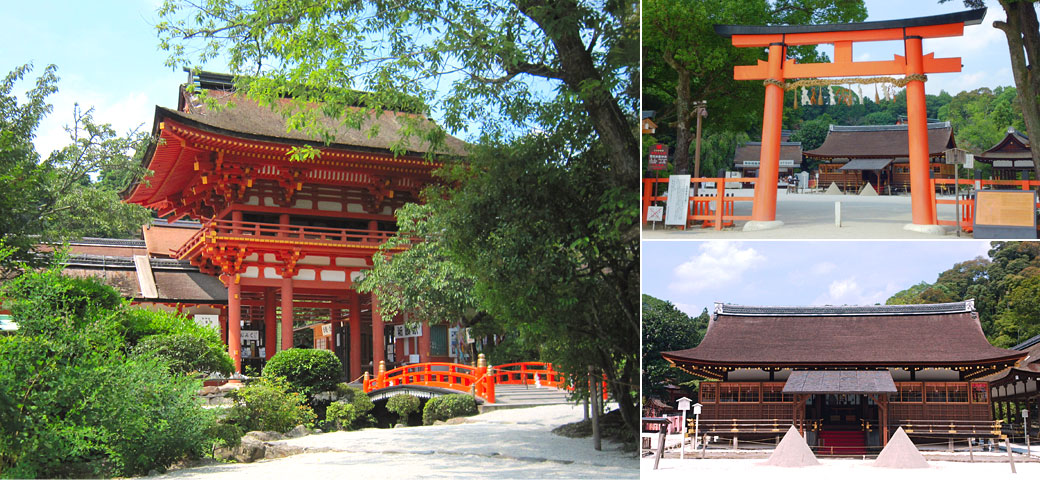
pixel 579 72
pixel 1023 37
pixel 683 135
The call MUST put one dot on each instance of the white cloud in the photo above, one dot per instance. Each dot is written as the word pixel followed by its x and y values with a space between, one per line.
pixel 718 263
pixel 823 268
pixel 848 291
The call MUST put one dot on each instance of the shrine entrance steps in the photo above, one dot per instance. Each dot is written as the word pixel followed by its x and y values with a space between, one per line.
pixel 842 442
pixel 520 396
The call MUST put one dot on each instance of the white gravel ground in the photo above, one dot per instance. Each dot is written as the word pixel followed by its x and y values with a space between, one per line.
pixel 836 469
pixel 811 216
pixel 514 443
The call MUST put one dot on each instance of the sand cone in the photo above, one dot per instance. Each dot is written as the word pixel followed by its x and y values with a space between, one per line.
pixel 833 189
pixel 792 452
pixel 900 453
pixel 868 191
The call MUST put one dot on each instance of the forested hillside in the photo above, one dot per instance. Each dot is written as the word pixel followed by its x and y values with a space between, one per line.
pixel 1005 286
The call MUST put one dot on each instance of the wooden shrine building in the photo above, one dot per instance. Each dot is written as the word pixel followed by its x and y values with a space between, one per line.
pixel 1018 389
pixel 853 156
pixel 846 376
pixel 1010 157
pixel 746 158
pixel 288 238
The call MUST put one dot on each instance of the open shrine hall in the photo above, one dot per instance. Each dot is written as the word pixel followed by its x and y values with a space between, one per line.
pixel 849 376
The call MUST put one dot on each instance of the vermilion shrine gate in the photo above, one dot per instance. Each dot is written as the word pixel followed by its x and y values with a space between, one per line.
pixel 287 237
pixel 914 64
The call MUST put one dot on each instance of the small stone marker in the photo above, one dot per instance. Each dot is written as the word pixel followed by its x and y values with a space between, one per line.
pixel 792 452
pixel 833 189
pixel 837 214
pixel 900 453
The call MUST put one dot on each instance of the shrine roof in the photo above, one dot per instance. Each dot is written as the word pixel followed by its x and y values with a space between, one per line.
pixel 876 335
pixel 247 119
pixel 752 150
pixel 1014 146
pixel 880 141
pixel 968 17
pixel 175 280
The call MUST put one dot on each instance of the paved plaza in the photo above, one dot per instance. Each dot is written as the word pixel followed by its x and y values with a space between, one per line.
pixel 811 216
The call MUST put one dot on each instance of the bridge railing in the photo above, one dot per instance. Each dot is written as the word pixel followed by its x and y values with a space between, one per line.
pixel 527 373
pixel 452 376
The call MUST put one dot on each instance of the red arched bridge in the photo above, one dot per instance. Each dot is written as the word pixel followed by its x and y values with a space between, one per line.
pixel 438 378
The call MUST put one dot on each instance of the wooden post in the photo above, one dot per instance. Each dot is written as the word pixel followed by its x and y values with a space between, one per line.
pixel 1011 458
pixel 971 452
pixel 594 400
pixel 764 207
pixel 270 324
pixel 660 443
pixel 287 311
pixel 378 334
pixel 704 446
pixel 235 321
pixel 355 335
pixel 922 200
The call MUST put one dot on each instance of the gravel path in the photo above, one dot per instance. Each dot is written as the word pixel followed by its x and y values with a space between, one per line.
pixel 499 444
pixel 831 468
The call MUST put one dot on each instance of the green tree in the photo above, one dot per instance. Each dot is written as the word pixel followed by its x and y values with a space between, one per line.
pixel 812 134
pixel 686 62
pixel 74 192
pixel 73 401
pixel 1022 31
pixel 981 117
pixel 666 328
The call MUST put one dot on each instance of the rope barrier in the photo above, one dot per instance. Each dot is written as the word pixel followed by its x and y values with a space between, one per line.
pixel 824 82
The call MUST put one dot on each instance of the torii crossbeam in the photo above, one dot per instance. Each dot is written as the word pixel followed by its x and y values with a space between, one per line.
pixel 913 63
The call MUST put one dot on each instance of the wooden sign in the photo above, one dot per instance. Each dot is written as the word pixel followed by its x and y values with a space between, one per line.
pixel 1005 214
pixel 678 200
pixel 326 329
pixel 250 335
pixel 658 157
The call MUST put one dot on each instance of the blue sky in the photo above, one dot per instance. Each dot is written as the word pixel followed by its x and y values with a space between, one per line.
pixel 695 274
pixel 108 57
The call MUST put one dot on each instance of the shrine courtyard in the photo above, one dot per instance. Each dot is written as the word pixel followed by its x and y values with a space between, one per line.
pixel 510 443
pixel 811 216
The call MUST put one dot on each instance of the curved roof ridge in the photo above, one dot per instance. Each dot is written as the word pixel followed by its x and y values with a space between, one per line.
pixel 883 128
pixel 844 310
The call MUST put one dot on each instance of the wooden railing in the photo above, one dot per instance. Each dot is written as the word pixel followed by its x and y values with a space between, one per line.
pixel 452 376
pixel 742 425
pixel 700 208
pixel 966 209
pixel 268 232
pixel 952 428
pixel 479 380
pixel 524 373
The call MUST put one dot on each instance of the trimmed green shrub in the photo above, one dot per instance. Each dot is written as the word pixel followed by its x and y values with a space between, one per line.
pixel 448 406
pixel 72 402
pixel 186 353
pixel 308 371
pixel 351 412
pixel 403 405
pixel 225 435
pixel 139 323
pixel 269 404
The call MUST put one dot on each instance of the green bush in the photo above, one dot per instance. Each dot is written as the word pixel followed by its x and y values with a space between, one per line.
pixel 139 323
pixel 225 434
pixel 186 353
pixel 403 405
pixel 308 371
pixel 351 412
pixel 269 404
pixel 448 406
pixel 72 402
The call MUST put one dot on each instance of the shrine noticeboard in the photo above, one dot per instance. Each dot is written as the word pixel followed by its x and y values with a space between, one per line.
pixel 1005 214
pixel 678 200
pixel 658 157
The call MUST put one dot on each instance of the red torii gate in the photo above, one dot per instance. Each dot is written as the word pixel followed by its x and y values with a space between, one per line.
pixel 914 64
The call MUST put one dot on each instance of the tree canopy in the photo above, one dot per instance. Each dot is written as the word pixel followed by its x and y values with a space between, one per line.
pixel 73 192
pixel 666 328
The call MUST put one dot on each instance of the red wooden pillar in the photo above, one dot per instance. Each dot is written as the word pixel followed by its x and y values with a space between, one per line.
pixel 235 321
pixel 922 197
pixel 355 336
pixel 378 342
pixel 287 312
pixel 270 324
pixel 764 209
pixel 424 343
